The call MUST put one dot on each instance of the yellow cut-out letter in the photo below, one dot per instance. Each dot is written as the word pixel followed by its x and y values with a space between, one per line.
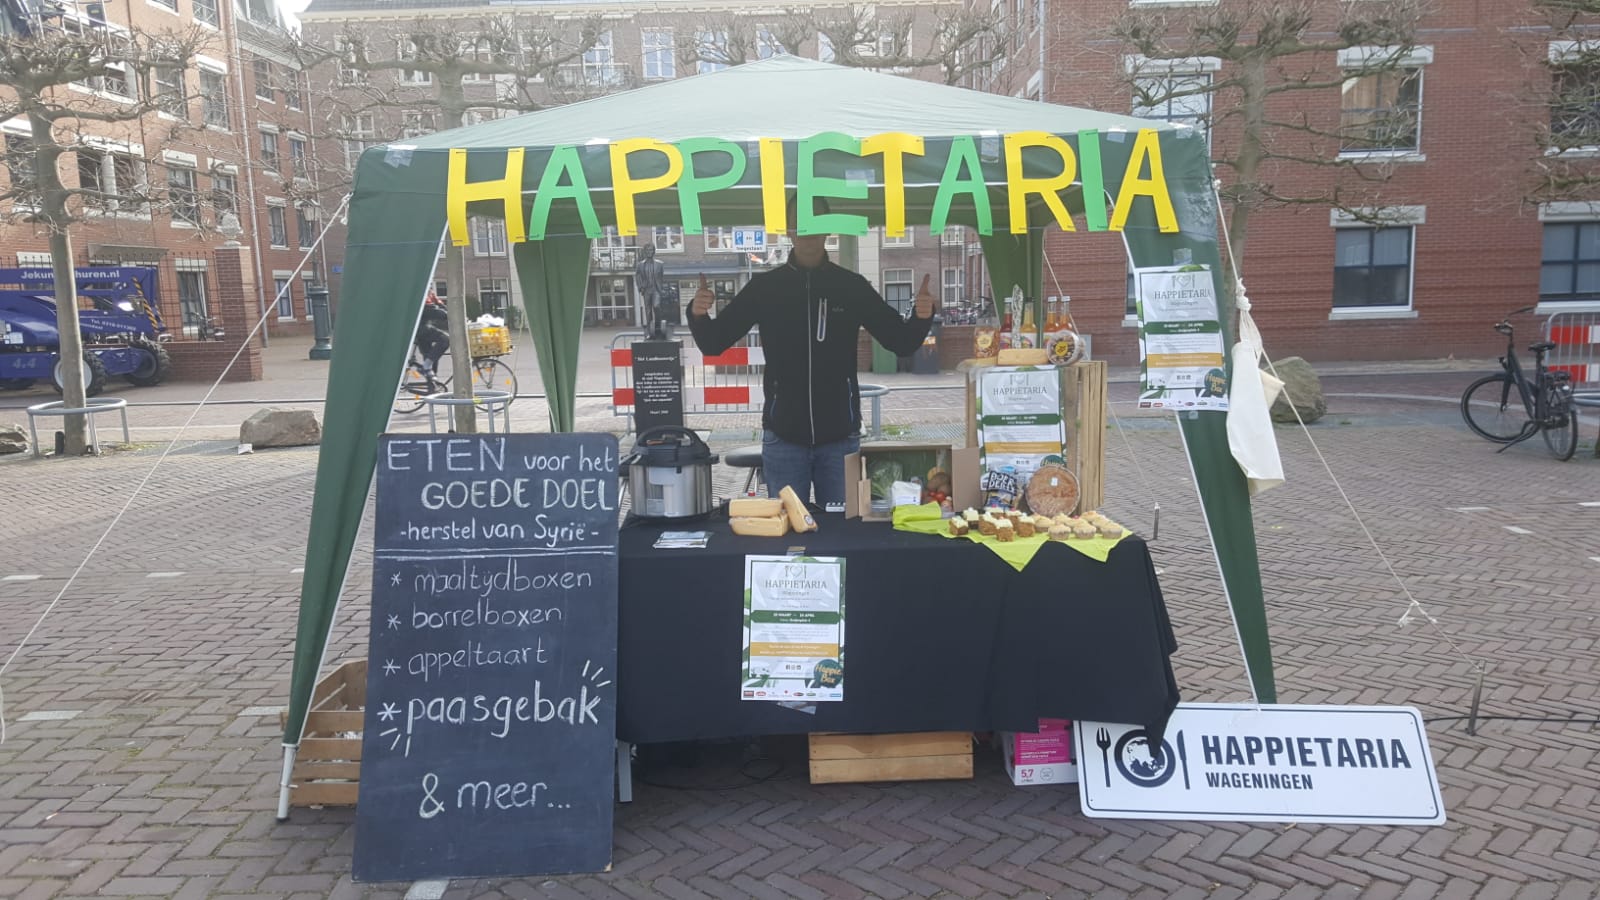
pixel 459 192
pixel 894 146
pixel 1146 145
pixel 625 187
pixel 1019 186
pixel 772 186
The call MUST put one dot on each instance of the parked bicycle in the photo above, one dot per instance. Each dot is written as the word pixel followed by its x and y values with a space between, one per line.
pixel 419 383
pixel 1508 407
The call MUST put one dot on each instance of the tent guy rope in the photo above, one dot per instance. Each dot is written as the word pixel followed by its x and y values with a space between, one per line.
pixel 139 488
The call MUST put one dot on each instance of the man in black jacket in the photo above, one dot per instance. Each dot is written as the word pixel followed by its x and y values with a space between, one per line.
pixel 810 312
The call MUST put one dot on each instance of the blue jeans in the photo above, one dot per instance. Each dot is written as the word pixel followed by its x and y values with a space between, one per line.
pixel 805 468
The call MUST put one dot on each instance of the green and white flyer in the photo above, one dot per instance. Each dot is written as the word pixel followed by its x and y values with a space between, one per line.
pixel 1182 352
pixel 1019 418
pixel 793 628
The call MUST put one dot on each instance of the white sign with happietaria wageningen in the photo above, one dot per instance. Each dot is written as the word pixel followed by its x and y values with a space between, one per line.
pixel 1367 765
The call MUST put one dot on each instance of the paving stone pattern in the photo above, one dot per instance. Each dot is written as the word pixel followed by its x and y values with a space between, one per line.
pixel 159 787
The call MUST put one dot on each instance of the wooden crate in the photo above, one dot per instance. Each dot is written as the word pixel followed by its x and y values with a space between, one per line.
pixel 918 756
pixel 1083 408
pixel 327 769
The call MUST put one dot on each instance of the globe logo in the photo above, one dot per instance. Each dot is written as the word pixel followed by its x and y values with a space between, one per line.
pixel 1139 765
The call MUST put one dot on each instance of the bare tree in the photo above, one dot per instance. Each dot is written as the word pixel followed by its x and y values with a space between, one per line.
pixel 1561 108
pixel 422 69
pixel 1268 109
pixel 118 76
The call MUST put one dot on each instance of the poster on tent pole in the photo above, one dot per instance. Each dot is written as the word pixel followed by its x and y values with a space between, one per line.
pixel 1182 350
pixel 489 730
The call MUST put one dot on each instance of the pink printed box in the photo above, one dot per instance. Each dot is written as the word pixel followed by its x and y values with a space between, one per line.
pixel 1041 757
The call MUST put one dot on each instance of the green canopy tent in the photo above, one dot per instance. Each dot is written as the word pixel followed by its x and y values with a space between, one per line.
pixel 783 122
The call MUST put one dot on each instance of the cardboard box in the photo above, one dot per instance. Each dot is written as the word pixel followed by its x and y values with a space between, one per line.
pixel 960 462
pixel 1042 757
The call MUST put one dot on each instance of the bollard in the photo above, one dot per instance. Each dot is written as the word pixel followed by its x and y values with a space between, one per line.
pixel 322 322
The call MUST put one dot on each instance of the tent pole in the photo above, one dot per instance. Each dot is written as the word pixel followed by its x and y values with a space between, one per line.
pixel 283 783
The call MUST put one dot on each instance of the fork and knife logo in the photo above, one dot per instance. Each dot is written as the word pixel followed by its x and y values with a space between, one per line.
pixel 1150 773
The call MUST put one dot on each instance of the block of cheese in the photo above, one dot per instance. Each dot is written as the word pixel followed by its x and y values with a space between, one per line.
pixel 760 526
pixel 1024 356
pixel 799 517
pixel 756 507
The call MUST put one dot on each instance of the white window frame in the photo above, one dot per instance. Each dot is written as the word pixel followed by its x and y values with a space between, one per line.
pixel 187 167
pixel 1353 59
pixel 660 59
pixel 277 222
pixel 719 239
pixel 217 99
pixel 259 65
pixel 80 26
pixel 1564 212
pixel 714 39
pixel 299 162
pixel 268 137
pixel 667 238
pixel 283 279
pixel 1189 68
pixel 488 236
pixel 1372 219
pixel 494 285
pixel 178 91
pixel 111 150
pixel 599 64
pixel 360 132
pixel 767 45
pixel 902 277
pixel 474 51
pixel 347 74
pixel 952 284
pixel 953 236
pixel 407 50
pixel 906 240
pixel 305 226
pixel 825 51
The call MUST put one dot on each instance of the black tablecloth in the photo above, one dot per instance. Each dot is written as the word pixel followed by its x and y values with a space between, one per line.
pixel 943 635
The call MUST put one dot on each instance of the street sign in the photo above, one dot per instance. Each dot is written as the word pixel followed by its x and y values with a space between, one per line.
pixel 749 239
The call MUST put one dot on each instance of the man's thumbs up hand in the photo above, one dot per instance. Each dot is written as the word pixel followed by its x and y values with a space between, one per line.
pixel 703 298
pixel 925 302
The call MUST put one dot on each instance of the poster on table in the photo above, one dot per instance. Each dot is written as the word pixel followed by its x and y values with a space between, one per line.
pixel 1182 350
pixel 1237 762
pixel 794 629
pixel 1019 421
pixel 490 722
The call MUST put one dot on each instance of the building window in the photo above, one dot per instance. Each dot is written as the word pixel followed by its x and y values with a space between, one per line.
pixel 262 70
pixel 298 162
pixel 668 239
pixel 719 239
pixel 269 150
pixel 278 226
pixel 359 134
pixel 824 48
pixel 113 77
pixel 659 61
pixel 477 51
pixel 953 236
pixel 224 193
pixel 418 123
pixel 192 300
pixel 903 240
pixel 1570 264
pixel 1372 267
pixel 1182 98
pixel 494 294
pixel 116 178
pixel 183 194
pixel 488 236
pixel 897 288
pixel 712 49
pixel 613 300
pixel 205 12
pixel 167 91
pixel 305 226
pixel 409 51
pixel 169 4
pixel 599 65
pixel 1575 106
pixel 214 98
pixel 285 298
pixel 349 55
pixel 1381 111
pixel 767 44
pixel 292 97
pixel 952 285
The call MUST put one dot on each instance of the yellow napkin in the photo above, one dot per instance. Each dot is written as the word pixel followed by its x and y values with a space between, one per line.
pixel 925 519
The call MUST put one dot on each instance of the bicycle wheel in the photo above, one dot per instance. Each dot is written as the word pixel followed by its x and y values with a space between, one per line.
pixel 413 387
pixel 489 373
pixel 1561 422
pixel 1493 409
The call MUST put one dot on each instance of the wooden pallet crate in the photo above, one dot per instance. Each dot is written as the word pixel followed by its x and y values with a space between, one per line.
pixel 327 769
pixel 916 756
pixel 1083 409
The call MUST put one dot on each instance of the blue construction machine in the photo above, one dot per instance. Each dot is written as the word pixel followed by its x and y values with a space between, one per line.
pixel 122 331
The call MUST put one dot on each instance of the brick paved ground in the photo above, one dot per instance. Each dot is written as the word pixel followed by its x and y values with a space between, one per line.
pixel 162 784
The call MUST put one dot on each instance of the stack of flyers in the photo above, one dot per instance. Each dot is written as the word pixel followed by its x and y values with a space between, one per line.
pixel 682 539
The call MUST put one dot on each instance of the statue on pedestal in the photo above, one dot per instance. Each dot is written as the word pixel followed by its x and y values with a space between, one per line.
pixel 660 304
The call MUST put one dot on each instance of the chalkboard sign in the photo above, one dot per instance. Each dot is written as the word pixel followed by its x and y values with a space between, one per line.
pixel 491 700
pixel 657 384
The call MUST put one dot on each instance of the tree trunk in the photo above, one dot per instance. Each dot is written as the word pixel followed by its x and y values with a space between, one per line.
pixel 1252 104
pixel 452 107
pixel 53 213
